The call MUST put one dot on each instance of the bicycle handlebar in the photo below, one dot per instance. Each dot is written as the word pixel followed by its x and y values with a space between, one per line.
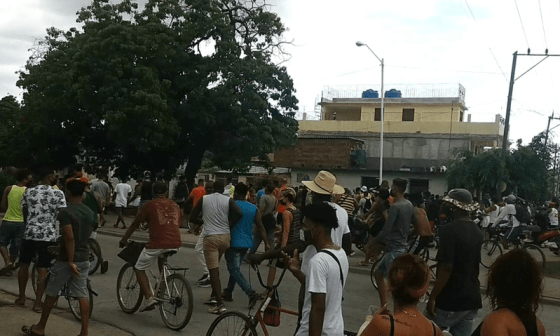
pixel 256 268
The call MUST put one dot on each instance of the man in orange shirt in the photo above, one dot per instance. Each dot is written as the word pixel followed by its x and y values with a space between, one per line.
pixel 196 194
pixel 193 198
pixel 278 194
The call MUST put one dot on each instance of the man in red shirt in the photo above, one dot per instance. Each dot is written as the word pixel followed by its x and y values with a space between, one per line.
pixel 164 218
pixel 196 194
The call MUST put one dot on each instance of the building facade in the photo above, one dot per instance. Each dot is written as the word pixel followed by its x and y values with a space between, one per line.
pixel 422 126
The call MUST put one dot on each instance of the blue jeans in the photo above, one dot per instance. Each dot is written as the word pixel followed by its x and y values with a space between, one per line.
pixel 257 239
pixel 387 260
pixel 459 323
pixel 11 234
pixel 233 256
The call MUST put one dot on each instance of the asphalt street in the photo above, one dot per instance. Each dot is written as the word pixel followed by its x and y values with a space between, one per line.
pixel 359 295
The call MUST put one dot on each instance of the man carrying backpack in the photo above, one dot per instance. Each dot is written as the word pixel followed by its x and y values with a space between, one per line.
pixel 515 216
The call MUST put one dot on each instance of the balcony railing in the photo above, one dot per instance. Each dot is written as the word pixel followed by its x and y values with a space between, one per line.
pixel 455 90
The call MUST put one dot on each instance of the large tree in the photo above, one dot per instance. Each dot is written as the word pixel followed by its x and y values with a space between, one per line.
pixel 156 87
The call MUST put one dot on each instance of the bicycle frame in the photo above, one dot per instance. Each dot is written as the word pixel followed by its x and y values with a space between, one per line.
pixel 264 306
pixel 165 271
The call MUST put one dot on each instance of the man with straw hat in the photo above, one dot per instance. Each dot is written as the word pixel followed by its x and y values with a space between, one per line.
pixel 455 299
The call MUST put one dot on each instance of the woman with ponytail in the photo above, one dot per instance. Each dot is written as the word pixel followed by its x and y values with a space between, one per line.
pixel 409 278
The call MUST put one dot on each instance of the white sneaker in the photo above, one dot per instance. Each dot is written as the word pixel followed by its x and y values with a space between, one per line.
pixel 149 304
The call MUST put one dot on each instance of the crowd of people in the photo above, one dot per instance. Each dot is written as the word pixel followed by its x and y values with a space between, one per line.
pixel 307 229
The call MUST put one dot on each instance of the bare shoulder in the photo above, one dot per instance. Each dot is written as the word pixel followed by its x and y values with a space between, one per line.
pixel 499 322
pixel 379 326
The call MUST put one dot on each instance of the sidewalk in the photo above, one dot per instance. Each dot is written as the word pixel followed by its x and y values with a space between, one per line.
pixel 60 322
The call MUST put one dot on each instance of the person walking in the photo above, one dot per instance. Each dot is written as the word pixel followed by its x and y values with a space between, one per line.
pixel 455 298
pixel 218 211
pixel 394 234
pixel 241 241
pixel 196 194
pixel 102 188
pixel 267 207
pixel 40 206
pixel 72 264
pixel 324 277
pixel 11 231
pixel 123 191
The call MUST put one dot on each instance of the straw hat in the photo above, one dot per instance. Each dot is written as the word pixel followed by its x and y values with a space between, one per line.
pixel 324 183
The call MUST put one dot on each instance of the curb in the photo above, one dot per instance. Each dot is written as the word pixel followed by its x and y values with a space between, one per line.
pixel 352 269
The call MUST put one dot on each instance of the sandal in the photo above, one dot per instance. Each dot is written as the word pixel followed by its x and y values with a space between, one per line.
pixel 362 263
pixel 37 309
pixel 29 331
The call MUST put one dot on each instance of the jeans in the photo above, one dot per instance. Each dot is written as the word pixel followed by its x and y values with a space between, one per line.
pixel 11 234
pixel 233 256
pixel 460 323
pixel 257 239
pixel 513 234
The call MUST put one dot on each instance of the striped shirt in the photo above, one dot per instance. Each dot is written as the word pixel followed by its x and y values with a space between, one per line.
pixel 347 203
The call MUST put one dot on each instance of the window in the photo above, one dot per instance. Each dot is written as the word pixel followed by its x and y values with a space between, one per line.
pixel 378 114
pixel 461 116
pixel 408 115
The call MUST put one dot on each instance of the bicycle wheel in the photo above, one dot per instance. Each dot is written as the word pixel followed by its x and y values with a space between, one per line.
pixel 74 303
pixel 489 252
pixel 129 294
pixel 433 276
pixel 176 304
pixel 94 256
pixel 232 324
pixel 536 253
pixel 373 269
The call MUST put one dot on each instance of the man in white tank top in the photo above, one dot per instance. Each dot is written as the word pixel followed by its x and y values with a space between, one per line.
pixel 218 213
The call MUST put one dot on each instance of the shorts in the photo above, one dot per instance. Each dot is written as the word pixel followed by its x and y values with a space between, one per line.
pixel 11 234
pixel 61 274
pixel 387 260
pixel 148 256
pixel 214 247
pixel 119 210
pixel 33 248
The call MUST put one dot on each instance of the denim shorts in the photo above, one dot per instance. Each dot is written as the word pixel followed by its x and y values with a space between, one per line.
pixel 387 260
pixel 11 234
pixel 61 274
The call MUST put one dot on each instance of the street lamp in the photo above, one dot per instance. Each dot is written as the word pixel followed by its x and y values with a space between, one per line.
pixel 359 44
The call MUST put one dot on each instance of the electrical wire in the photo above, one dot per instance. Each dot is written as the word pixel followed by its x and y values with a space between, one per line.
pixel 520 20
pixel 542 23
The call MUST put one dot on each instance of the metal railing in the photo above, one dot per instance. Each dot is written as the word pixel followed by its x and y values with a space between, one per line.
pixel 446 90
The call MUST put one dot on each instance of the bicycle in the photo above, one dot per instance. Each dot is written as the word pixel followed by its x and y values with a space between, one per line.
pixel 491 248
pixel 73 302
pixel 171 290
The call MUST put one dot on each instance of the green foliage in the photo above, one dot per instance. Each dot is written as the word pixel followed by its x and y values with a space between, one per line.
pixel 6 180
pixel 134 88
pixel 525 170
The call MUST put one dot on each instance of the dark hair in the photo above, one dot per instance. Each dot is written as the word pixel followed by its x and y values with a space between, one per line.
pixel 416 199
pixel 75 187
pixel 408 278
pixel 400 184
pixel 200 181
pixel 43 172
pixel 159 188
pixel 289 196
pixel 384 193
pixel 270 187
pixel 515 281
pixel 264 183
pixel 183 177
pixel 219 186
pixel 241 189
pixel 22 174
pixel 322 213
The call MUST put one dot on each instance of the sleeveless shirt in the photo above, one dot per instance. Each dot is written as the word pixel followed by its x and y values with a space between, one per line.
pixel 295 227
pixel 14 214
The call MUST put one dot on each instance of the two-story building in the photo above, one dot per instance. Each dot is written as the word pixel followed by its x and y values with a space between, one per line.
pixel 422 125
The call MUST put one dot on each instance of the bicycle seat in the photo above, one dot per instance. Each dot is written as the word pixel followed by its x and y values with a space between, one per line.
pixel 169 253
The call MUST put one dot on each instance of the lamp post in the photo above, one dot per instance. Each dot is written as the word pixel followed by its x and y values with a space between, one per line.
pixel 359 44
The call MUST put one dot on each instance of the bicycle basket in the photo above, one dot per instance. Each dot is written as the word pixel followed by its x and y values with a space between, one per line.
pixel 131 252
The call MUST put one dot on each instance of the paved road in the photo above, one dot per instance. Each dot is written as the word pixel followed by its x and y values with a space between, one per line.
pixel 359 295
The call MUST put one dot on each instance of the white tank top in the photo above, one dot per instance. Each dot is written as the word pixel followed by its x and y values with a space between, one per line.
pixel 215 211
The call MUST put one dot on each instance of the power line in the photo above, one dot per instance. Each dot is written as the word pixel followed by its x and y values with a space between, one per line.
pixel 542 23
pixel 520 20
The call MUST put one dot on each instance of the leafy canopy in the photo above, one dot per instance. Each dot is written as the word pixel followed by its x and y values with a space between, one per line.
pixel 152 88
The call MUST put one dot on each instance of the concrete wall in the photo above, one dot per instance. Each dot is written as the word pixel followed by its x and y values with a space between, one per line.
pixel 317 153
pixel 353 179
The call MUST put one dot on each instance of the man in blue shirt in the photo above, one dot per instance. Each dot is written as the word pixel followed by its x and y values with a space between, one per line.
pixel 261 192
pixel 241 242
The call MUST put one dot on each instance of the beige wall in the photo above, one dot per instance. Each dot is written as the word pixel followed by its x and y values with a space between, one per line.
pixel 422 127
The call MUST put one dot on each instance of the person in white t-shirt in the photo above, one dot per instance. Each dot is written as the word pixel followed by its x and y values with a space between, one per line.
pixel 552 213
pixel 122 193
pixel 326 272
pixel 507 215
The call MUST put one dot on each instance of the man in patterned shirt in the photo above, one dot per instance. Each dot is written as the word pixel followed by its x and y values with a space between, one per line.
pixel 40 207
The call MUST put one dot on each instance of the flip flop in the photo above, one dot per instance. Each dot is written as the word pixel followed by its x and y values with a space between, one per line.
pixel 361 263
pixel 28 331
pixel 37 310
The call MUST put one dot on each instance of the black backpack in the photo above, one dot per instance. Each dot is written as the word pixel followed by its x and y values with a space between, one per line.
pixel 522 214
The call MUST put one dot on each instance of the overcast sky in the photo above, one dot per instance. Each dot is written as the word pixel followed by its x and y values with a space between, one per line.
pixel 429 41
